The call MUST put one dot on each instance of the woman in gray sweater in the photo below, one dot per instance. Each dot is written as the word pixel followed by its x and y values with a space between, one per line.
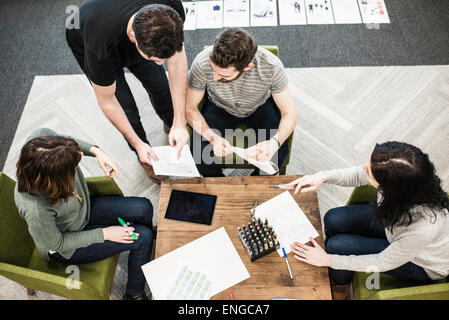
pixel 405 234
pixel 67 224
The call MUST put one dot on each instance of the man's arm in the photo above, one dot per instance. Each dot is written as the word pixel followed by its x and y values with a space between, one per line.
pixel 114 112
pixel 199 124
pixel 286 105
pixel 177 79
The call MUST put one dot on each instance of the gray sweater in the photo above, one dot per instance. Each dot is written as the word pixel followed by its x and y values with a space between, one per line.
pixel 58 228
pixel 425 242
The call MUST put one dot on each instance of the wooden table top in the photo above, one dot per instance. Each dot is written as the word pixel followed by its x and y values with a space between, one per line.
pixel 235 197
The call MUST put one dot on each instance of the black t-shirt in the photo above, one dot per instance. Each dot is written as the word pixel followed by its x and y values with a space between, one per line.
pixel 101 41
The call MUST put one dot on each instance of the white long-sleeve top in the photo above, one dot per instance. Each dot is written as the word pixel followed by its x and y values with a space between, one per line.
pixel 425 242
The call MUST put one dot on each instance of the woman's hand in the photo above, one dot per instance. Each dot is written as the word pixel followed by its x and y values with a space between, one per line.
pixel 119 234
pixel 306 183
pixel 104 161
pixel 315 255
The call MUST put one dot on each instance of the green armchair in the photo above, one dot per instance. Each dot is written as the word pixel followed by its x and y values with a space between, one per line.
pixel 391 288
pixel 232 160
pixel 20 261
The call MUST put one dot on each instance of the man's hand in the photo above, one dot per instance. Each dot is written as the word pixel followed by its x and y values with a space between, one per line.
pixel 178 137
pixel 221 146
pixel 104 161
pixel 145 153
pixel 263 151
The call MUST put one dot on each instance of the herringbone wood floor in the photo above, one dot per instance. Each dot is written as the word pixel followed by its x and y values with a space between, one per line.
pixel 342 113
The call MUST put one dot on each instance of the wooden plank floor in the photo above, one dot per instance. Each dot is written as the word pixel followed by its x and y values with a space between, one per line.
pixel 342 113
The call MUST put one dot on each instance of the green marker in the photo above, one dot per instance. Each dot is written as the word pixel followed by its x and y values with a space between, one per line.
pixel 125 225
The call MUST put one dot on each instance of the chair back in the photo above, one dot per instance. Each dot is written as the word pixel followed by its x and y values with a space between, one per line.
pixel 16 244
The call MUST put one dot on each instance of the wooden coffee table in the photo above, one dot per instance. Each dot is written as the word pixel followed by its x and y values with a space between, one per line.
pixel 235 197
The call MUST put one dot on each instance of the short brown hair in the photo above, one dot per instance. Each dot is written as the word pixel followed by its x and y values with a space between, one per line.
pixel 159 31
pixel 47 165
pixel 234 47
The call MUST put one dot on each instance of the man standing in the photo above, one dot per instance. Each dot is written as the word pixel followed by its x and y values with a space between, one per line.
pixel 245 85
pixel 139 35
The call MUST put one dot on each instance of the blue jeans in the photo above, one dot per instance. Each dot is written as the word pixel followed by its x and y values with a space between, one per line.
pixel 349 231
pixel 104 213
pixel 266 117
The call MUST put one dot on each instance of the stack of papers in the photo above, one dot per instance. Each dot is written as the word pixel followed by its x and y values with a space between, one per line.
pixel 197 270
pixel 170 165
pixel 287 219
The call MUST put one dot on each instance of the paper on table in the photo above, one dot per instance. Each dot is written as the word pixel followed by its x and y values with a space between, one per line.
pixel 287 219
pixel 190 11
pixel 212 255
pixel 210 15
pixel 319 12
pixel 292 12
pixel 266 166
pixel 346 11
pixel 263 13
pixel 236 13
pixel 374 11
pixel 169 165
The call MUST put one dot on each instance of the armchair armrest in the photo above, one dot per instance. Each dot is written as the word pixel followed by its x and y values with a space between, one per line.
pixel 362 195
pixel 438 291
pixel 103 185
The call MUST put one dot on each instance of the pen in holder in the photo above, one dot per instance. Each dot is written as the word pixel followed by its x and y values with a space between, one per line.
pixel 258 238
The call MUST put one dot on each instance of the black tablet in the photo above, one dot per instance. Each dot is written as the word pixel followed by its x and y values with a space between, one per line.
pixel 191 207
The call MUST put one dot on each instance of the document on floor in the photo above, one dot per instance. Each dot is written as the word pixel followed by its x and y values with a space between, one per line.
pixel 210 15
pixel 263 13
pixel 374 11
pixel 236 13
pixel 190 11
pixel 197 270
pixel 170 165
pixel 266 166
pixel 292 12
pixel 287 219
pixel 319 12
pixel 346 11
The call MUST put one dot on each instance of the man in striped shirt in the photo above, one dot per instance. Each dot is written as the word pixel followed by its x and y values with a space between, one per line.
pixel 245 85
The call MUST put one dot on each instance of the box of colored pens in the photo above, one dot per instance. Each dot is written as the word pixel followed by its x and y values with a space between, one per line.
pixel 258 238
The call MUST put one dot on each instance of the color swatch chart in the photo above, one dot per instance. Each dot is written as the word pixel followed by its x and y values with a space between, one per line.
pixel 189 285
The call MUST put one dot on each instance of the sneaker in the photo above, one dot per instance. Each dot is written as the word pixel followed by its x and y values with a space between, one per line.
pixel 150 173
pixel 129 296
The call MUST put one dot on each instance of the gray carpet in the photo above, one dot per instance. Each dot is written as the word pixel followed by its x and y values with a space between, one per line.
pixel 33 43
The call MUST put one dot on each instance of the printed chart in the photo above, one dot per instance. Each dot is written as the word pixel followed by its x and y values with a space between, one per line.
pixel 217 14
pixel 189 285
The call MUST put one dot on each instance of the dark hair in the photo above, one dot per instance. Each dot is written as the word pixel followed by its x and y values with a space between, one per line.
pixel 406 178
pixel 158 30
pixel 234 47
pixel 47 165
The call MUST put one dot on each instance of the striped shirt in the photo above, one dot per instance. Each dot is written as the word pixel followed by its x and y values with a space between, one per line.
pixel 240 97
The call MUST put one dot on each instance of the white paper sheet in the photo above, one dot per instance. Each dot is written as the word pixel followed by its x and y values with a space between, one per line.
pixel 287 219
pixel 210 15
pixel 213 256
pixel 346 11
pixel 190 11
pixel 319 12
pixel 236 13
pixel 374 11
pixel 263 13
pixel 266 166
pixel 170 165
pixel 292 12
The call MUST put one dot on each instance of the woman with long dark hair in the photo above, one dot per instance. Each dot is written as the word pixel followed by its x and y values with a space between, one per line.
pixel 69 225
pixel 404 234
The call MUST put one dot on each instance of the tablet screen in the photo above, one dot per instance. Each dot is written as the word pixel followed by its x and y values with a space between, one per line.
pixel 191 207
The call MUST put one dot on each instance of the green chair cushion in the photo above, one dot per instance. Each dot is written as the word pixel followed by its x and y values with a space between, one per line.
pixel 95 278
